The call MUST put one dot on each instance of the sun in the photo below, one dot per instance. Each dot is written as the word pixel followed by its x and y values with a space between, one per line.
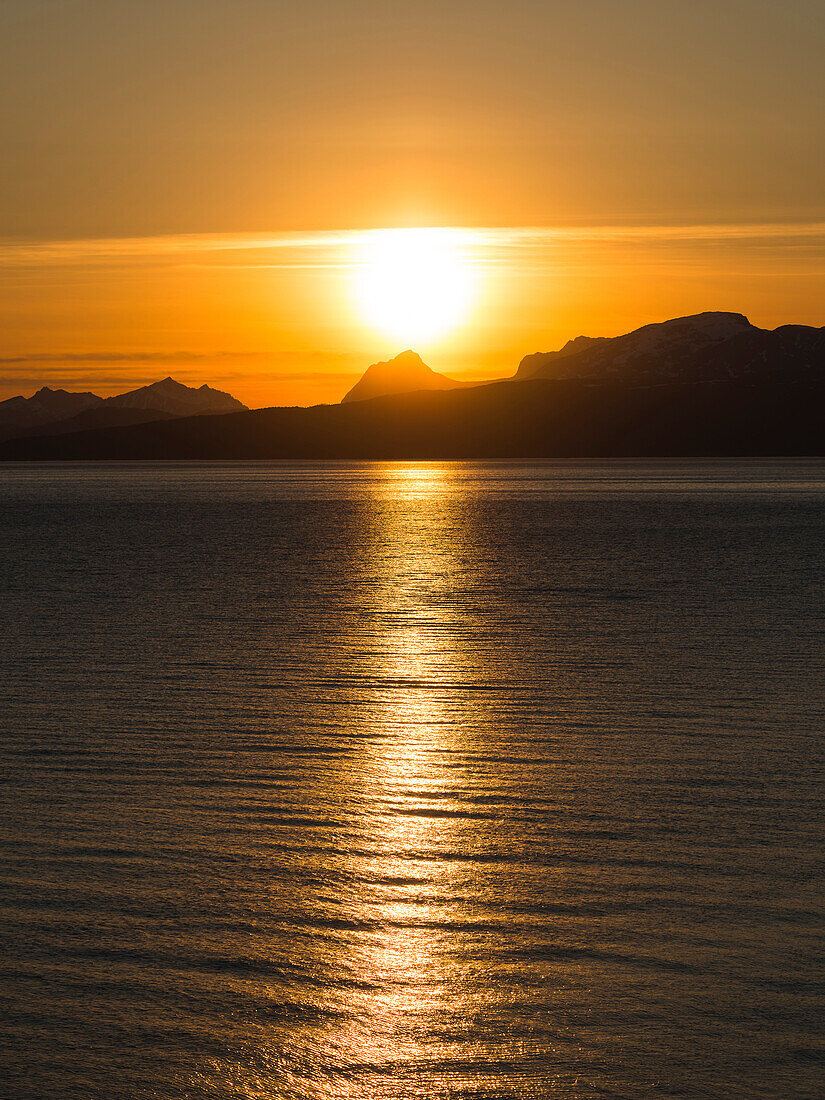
pixel 414 284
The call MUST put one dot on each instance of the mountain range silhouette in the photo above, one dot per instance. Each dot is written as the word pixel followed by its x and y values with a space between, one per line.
pixel 51 412
pixel 709 384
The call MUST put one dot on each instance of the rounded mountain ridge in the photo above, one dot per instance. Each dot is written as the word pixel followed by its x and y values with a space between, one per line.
pixel 668 341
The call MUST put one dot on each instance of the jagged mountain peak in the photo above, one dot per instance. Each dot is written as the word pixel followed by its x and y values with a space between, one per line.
pixel 404 373
pixel 44 406
pixel 168 383
pixel 171 396
pixel 408 357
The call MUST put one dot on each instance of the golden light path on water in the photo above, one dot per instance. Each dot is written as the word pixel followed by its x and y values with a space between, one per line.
pixel 425 1017
pixel 409 821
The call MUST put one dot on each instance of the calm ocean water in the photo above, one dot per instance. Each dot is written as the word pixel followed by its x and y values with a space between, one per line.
pixel 391 781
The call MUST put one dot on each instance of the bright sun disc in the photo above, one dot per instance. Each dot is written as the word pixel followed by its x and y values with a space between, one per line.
pixel 413 284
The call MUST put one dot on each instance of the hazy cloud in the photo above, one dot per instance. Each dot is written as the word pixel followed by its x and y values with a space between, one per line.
pixel 344 249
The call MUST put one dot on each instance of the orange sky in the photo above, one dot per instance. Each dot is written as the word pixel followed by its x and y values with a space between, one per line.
pixel 183 179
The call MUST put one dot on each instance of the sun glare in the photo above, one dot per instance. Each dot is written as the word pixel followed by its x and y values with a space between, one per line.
pixel 414 284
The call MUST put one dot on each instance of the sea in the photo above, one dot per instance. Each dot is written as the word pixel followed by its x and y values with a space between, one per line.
pixel 381 781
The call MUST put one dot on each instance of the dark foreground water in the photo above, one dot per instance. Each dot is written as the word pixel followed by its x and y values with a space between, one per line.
pixel 394 781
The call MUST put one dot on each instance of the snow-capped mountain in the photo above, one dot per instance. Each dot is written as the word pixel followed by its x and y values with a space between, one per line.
pixel 703 347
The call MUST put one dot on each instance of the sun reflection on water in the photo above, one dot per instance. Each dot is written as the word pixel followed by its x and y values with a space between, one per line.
pixel 413 765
